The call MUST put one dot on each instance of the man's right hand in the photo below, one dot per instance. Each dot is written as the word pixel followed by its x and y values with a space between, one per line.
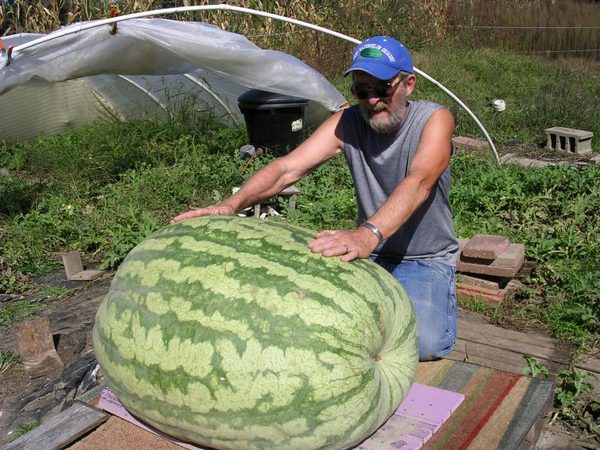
pixel 212 210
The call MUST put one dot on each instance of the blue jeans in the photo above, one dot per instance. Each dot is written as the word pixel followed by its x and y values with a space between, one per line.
pixel 431 286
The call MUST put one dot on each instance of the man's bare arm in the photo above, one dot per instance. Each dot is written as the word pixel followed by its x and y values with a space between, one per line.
pixel 323 144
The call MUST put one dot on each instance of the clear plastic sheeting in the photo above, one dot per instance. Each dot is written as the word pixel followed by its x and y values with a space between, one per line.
pixel 151 68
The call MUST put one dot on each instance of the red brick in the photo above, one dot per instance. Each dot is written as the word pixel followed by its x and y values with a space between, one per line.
pixel 491 296
pixel 486 246
pixel 506 265
pixel 495 283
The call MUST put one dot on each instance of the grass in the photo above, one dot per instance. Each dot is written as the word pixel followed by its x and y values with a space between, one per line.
pixel 23 429
pixel 552 28
pixel 17 311
pixel 548 210
pixel 538 95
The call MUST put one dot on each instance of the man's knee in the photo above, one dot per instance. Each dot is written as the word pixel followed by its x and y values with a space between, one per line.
pixel 429 351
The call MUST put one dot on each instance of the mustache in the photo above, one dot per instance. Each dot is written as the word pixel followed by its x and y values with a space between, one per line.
pixel 381 106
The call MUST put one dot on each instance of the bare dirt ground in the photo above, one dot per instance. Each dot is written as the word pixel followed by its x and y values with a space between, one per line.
pixel 25 401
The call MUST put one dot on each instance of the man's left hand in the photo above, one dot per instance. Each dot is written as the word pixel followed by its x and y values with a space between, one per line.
pixel 348 245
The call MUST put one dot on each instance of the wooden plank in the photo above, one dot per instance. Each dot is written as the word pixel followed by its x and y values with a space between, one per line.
pixel 493 330
pixel 591 365
pixel 61 430
pixel 503 349
pixel 526 344
pixel 495 358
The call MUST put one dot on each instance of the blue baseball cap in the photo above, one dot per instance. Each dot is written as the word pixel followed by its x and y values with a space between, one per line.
pixel 381 56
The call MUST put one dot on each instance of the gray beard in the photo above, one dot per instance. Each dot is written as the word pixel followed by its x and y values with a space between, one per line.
pixel 390 124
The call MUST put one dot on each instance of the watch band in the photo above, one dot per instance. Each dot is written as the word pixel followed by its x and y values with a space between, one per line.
pixel 373 229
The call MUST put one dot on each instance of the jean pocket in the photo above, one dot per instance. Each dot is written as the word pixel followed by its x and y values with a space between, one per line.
pixel 441 269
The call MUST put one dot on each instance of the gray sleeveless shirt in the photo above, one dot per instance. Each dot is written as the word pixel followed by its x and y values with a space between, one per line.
pixel 378 163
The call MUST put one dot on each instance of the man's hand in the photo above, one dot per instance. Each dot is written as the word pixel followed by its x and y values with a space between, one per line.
pixel 348 245
pixel 212 210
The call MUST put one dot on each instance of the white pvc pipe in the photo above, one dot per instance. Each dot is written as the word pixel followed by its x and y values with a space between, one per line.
pixel 98 23
pixel 145 91
pixel 218 99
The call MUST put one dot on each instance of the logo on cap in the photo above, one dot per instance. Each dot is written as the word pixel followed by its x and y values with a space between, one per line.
pixel 371 53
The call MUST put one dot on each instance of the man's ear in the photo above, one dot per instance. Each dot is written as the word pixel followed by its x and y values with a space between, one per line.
pixel 410 82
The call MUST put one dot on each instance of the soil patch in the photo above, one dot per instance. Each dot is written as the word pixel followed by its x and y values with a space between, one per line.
pixel 25 401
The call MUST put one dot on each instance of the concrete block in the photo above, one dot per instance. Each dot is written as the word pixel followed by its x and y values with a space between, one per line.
pixel 569 140
pixel 74 268
pixel 506 265
pixel 485 246
pixel 36 348
pixel 526 162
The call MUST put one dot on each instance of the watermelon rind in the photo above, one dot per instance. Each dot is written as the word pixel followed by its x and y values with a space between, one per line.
pixel 230 333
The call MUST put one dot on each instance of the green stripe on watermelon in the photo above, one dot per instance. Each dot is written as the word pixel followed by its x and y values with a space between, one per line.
pixel 229 332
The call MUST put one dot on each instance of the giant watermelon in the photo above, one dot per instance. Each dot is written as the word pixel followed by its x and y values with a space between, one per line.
pixel 230 333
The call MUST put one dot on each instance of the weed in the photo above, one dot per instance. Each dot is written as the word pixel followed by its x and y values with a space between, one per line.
pixel 7 360
pixel 22 429
pixel 574 404
pixel 474 304
pixel 534 368
pixel 17 195
pixel 53 291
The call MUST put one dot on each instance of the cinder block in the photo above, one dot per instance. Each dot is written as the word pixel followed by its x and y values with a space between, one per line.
pixel 485 246
pixel 569 140
pixel 36 348
pixel 506 265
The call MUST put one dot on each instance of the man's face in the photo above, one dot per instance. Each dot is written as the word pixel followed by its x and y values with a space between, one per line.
pixel 384 107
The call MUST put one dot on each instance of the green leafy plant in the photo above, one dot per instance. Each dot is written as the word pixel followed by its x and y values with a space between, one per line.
pixel 534 368
pixel 574 404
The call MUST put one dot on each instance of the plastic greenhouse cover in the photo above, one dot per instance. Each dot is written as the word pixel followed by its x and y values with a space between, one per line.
pixel 167 61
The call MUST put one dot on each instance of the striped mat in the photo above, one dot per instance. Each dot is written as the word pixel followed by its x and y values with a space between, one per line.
pixel 499 407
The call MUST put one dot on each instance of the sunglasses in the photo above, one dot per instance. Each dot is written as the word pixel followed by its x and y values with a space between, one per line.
pixel 384 89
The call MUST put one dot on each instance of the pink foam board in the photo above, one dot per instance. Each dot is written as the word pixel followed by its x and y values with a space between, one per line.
pixel 423 411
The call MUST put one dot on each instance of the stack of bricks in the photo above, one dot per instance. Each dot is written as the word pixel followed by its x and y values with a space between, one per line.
pixel 487 266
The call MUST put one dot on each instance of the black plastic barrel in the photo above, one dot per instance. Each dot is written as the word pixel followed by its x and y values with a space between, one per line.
pixel 274 122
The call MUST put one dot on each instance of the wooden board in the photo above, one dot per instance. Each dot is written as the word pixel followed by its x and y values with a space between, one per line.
pixel 502 349
pixel 60 430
